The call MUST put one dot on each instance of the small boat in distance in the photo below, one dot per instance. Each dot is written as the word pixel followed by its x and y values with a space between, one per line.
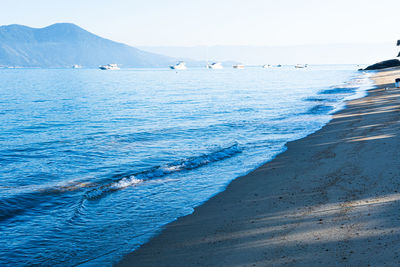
pixel 180 66
pixel 76 66
pixel 238 66
pixel 109 67
pixel 300 66
pixel 215 65
pixel 266 66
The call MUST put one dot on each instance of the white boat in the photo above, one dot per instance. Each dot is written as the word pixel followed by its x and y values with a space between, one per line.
pixel 109 67
pixel 266 66
pixel 238 66
pixel 215 66
pixel 180 66
pixel 76 66
pixel 300 66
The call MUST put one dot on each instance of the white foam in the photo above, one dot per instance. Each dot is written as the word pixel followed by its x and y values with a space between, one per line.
pixel 161 171
pixel 125 182
pixel 172 168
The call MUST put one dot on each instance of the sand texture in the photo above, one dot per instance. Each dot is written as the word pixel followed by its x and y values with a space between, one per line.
pixel 333 199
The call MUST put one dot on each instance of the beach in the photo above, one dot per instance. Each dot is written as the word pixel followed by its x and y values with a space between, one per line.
pixel 331 199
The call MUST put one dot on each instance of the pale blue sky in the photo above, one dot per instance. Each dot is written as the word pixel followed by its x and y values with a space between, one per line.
pixel 217 22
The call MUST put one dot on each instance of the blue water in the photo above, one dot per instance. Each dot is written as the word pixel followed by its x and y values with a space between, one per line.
pixel 93 163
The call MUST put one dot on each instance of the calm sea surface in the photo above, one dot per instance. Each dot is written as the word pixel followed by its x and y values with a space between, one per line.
pixel 93 163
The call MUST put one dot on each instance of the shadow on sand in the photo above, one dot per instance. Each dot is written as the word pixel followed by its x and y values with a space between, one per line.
pixel 333 198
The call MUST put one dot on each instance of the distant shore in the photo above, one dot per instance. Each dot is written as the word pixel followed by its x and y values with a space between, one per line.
pixel 331 198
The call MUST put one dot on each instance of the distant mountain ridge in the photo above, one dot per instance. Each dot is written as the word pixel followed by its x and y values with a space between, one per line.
pixel 66 44
pixel 356 53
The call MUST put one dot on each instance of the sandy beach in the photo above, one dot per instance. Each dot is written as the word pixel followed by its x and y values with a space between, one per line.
pixel 333 198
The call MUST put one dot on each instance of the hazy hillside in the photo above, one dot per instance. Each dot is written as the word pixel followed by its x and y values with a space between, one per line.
pixel 312 54
pixel 65 44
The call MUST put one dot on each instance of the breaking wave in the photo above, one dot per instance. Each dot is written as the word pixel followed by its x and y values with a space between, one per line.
pixel 320 109
pixel 339 90
pixel 161 171
pixel 320 99
pixel 23 202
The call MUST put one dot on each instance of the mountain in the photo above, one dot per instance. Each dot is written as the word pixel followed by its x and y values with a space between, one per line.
pixel 66 44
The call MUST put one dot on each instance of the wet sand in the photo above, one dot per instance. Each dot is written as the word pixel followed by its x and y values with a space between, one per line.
pixel 333 198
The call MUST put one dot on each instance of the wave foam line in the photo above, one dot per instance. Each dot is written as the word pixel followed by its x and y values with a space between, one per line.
pixel 161 171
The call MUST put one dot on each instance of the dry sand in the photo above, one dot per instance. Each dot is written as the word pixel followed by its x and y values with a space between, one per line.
pixel 333 198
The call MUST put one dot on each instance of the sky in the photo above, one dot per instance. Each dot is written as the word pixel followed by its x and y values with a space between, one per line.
pixel 217 22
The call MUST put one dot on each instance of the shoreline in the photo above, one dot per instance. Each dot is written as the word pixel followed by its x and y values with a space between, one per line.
pixel 319 202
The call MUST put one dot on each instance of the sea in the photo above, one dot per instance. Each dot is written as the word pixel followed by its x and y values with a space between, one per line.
pixel 94 163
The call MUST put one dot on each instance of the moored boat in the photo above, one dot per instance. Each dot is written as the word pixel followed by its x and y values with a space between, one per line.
pixel 180 66
pixel 109 67
pixel 300 66
pixel 215 65
pixel 238 66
